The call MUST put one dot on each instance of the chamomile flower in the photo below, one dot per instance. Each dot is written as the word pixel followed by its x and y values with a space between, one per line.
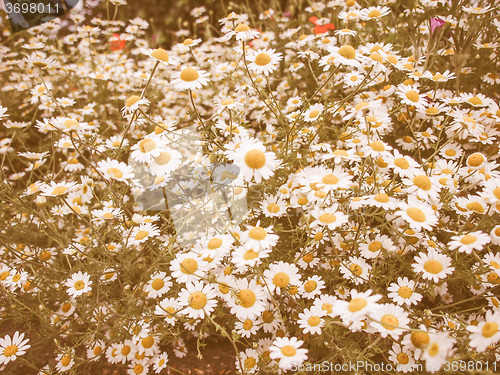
pixel 198 299
pixel 189 78
pixel 486 333
pixel 437 351
pixel 65 361
pixel 433 265
pixel 167 161
pixel 249 360
pixel 12 347
pixel 188 267
pixel 390 320
pixel 116 170
pixel 147 149
pixel 249 299
pixel 56 189
pixel 466 243
pixel 133 103
pixel 417 214
pixel 313 112
pixel 311 320
pixel 78 284
pixel 403 292
pixel 158 285
pixel 328 217
pixel 142 233
pixel 254 161
pixel 376 12
pixel 264 61
pixel 280 276
pixel 411 96
pixel 160 55
pixel 288 351
pixel 273 206
pixel 359 306
pixel 259 238
pixel 160 362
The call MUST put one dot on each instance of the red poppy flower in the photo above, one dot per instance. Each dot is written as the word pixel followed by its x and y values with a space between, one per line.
pixel 116 43
pixel 320 29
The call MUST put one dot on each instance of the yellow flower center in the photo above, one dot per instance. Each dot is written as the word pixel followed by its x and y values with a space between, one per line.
pixel 198 300
pixel 242 27
pixel 157 284
pixel 347 52
pixel 310 285
pixel 281 280
pixel 115 172
pixel 314 321
pixel 433 266
pixel 434 349
pixel 189 75
pixel 314 113
pixel 227 102
pixel 416 214
pixel 214 243
pixel 65 361
pixel 10 350
pixel 413 96
pixel 475 101
pixel 163 158
pixel 257 233
pixel 255 159
pixel 79 285
pixel 374 13
pixel 250 254
pixel 249 363
pixel 389 322
pixel 489 329
pixel 375 246
pixel 288 351
pixel 382 198
pixel 147 145
pixel 189 266
pixel 357 304
pixel 132 100
pixel 356 269
pixel 423 182
pixel 377 146
pixel 475 206
pixel 138 369
pixel 247 324
pixel 160 54
pixel 262 59
pixel 327 218
pixel 403 358
pixel 273 208
pixel 468 239
pixel 141 235
pixel 475 160
pixel 59 190
pixel 247 298
pixel 405 292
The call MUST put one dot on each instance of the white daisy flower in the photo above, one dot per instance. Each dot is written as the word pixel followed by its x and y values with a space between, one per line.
pixel 249 299
pixel 280 276
pixel 78 284
pixel 288 351
pixel 466 243
pixel 116 170
pixel 158 285
pixel 188 267
pixel 311 320
pixel 433 265
pixel 264 61
pixel 12 347
pixel 403 292
pixel 189 78
pixel 254 161
pixel 360 305
pixel 259 238
pixel 437 351
pixel 390 320
pixel 198 299
pixel 417 214
pixel 486 333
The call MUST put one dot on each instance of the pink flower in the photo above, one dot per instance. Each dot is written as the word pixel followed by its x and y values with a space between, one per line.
pixel 436 23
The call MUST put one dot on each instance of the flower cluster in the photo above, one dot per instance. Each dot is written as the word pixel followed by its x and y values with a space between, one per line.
pixel 362 139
